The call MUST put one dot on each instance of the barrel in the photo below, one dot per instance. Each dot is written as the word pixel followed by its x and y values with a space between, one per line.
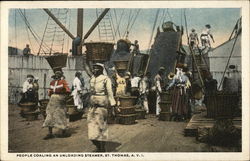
pixel 127 119
pixel 99 51
pixel 166 101
pixel 127 101
pixel 127 110
pixel 165 116
pixel 141 113
pixel 166 96
pixel 28 107
pixel 165 106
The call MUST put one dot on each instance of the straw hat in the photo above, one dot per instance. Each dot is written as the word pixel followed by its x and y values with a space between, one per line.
pixel 170 76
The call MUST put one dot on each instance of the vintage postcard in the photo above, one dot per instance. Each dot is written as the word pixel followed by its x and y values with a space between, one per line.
pixel 125 80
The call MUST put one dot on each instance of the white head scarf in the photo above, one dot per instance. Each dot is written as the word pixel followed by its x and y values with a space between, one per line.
pixel 104 69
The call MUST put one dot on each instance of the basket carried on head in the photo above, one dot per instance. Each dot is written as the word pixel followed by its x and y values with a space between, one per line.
pixel 57 62
pixel 99 51
pixel 121 64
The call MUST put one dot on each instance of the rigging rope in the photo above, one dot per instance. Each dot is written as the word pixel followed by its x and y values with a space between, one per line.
pixel 129 17
pixel 69 29
pixel 35 35
pixel 151 37
pixel 169 15
pixel 117 24
pixel 31 48
pixel 231 53
pixel 43 36
pixel 118 29
pixel 134 19
pixel 15 30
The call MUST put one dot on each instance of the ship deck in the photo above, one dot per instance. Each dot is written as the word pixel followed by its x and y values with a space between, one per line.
pixel 147 135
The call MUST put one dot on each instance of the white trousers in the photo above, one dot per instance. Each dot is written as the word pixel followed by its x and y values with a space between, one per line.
pixel 158 99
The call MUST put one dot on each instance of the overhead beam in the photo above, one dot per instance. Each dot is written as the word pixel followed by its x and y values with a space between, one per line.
pixel 96 23
pixel 79 29
pixel 59 23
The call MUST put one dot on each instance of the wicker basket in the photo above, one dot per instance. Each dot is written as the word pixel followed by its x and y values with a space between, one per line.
pixel 165 116
pixel 121 64
pixel 99 51
pixel 57 62
pixel 127 119
pixel 127 101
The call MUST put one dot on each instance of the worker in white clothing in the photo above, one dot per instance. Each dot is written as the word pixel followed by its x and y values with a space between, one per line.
pixel 205 37
pixel 158 83
pixel 144 90
pixel 193 39
pixel 77 91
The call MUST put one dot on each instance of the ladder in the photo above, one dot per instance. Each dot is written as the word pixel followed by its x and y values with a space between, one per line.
pixel 105 29
pixel 53 35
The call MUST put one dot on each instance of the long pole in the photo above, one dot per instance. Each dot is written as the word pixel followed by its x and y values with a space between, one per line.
pixel 231 53
pixel 79 29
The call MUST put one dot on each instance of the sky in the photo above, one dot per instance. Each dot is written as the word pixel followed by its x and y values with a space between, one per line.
pixel 222 21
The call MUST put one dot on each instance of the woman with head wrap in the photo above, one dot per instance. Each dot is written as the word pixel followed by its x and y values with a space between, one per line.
pixel 101 98
pixel 56 108
pixel 181 83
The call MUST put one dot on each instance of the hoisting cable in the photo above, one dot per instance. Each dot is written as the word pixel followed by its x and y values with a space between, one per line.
pixel 43 36
pixel 129 20
pixel 69 29
pixel 231 53
pixel 28 33
pixel 133 22
pixel 31 29
pixel 15 30
pixel 151 37
pixel 169 15
pixel 116 24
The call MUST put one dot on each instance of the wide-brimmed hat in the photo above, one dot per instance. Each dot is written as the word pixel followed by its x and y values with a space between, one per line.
pixel 170 76
pixel 99 65
pixel 60 73
pixel 30 76
pixel 161 68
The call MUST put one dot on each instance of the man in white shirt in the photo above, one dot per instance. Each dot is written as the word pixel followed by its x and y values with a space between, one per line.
pixel 158 83
pixel 135 85
pixel 205 36
pixel 144 89
pixel 77 91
